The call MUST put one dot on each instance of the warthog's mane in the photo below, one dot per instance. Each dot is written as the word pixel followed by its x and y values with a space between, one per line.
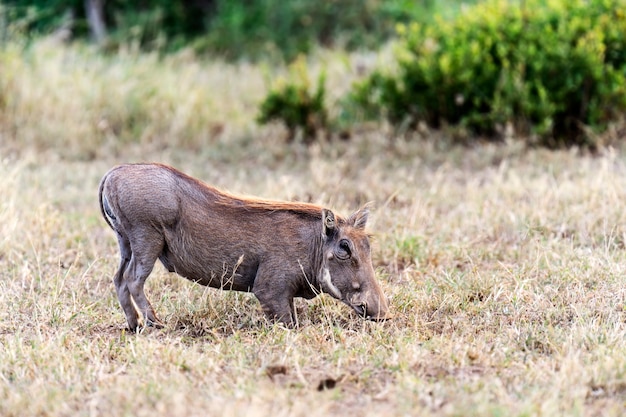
pixel 261 205
pixel 253 204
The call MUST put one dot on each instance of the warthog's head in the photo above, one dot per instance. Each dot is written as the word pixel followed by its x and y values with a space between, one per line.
pixel 347 273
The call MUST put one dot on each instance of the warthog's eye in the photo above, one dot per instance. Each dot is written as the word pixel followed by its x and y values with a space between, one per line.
pixel 344 251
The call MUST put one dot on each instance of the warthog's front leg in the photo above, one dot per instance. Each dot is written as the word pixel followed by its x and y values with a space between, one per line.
pixel 276 301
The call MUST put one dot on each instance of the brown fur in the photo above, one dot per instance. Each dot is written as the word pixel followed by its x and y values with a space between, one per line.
pixel 277 250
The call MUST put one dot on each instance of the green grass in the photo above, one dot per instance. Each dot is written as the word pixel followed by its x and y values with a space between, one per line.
pixel 504 265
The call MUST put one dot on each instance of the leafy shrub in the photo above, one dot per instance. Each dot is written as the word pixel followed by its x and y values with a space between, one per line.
pixel 552 69
pixel 295 104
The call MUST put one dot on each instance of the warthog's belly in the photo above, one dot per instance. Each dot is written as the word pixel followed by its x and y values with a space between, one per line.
pixel 235 276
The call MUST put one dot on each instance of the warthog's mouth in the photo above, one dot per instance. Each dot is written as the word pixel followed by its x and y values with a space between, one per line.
pixel 361 310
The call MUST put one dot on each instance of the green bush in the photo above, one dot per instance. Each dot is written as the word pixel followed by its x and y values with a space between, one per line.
pixel 294 103
pixel 552 69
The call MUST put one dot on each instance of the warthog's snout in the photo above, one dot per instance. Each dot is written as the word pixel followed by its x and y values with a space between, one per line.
pixel 375 308
pixel 373 315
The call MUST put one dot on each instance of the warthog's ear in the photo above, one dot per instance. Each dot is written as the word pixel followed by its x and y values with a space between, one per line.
pixel 328 223
pixel 358 219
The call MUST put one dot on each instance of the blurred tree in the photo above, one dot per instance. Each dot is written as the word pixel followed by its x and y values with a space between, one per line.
pixel 94 9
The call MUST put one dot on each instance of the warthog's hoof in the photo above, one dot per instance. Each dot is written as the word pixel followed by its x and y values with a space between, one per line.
pixel 150 323
pixel 157 324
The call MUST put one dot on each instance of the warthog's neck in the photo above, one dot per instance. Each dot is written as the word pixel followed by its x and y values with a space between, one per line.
pixel 318 263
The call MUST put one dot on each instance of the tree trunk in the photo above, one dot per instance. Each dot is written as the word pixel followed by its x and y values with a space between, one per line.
pixel 94 9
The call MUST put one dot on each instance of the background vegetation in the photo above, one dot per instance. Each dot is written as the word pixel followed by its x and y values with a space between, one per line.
pixel 234 29
pixel 553 72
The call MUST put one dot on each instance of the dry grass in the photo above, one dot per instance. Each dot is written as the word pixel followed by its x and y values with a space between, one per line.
pixel 505 266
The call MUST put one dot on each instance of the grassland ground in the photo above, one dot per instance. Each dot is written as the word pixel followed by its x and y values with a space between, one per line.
pixel 504 267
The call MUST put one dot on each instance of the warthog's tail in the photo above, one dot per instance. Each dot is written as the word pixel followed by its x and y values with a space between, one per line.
pixel 104 204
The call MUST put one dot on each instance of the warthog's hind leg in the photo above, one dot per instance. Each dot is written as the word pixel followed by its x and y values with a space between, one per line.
pixel 146 248
pixel 123 294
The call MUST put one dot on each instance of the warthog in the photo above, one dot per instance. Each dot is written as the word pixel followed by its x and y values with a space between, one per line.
pixel 276 250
